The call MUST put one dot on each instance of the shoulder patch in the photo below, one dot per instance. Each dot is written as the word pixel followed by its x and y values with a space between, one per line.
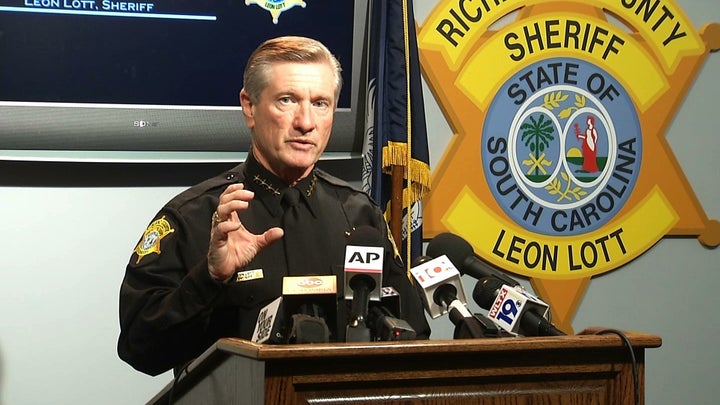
pixel 154 233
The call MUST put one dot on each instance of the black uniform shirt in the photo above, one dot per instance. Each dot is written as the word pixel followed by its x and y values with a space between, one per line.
pixel 171 310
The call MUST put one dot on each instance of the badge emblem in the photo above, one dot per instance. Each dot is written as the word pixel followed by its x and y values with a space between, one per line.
pixel 276 7
pixel 154 233
pixel 559 170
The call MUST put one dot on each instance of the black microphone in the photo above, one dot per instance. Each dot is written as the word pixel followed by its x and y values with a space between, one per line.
pixel 461 253
pixel 364 258
pixel 475 326
pixel 310 306
pixel 467 325
pixel 385 326
pixel 383 320
pixel 308 325
pixel 390 299
pixel 513 309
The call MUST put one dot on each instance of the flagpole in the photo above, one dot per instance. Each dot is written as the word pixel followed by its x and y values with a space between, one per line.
pixel 396 201
pixel 409 129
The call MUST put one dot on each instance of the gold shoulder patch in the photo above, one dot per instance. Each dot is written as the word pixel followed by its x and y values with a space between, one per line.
pixel 154 233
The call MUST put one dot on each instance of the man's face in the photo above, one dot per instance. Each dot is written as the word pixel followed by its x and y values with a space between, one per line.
pixel 292 119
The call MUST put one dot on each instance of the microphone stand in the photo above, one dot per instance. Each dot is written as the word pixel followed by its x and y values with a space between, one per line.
pixel 357 330
pixel 475 326
pixel 467 326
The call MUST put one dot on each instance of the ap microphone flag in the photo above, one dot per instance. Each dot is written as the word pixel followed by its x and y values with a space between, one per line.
pixel 364 261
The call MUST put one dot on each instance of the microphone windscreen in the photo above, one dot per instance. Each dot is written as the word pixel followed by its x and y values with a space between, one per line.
pixel 420 260
pixel 309 329
pixel 454 247
pixel 486 291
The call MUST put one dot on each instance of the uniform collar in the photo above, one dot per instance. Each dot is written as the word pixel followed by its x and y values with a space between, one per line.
pixel 268 188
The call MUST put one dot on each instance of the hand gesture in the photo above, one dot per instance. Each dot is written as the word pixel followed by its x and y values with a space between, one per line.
pixel 231 245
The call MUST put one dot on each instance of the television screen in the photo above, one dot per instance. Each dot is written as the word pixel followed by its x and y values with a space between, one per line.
pixel 99 80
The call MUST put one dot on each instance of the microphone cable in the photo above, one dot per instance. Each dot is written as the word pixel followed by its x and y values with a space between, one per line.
pixel 636 383
pixel 181 373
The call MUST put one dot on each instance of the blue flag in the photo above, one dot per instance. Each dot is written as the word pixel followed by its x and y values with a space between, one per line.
pixel 395 131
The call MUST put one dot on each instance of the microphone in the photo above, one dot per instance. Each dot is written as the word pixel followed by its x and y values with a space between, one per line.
pixel 476 326
pixel 382 318
pixel 442 292
pixel 440 285
pixel 309 326
pixel 510 306
pixel 364 257
pixel 390 299
pixel 386 327
pixel 268 327
pixel 514 309
pixel 460 252
pixel 311 303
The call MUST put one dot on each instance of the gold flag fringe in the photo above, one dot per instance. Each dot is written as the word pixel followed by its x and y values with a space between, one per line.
pixel 417 173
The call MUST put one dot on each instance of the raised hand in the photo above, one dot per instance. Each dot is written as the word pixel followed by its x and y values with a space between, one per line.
pixel 232 246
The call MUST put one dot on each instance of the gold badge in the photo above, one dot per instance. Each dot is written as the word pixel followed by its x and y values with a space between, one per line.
pixel 150 242
pixel 276 7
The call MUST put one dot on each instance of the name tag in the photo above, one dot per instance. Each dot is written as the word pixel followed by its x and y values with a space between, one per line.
pixel 248 275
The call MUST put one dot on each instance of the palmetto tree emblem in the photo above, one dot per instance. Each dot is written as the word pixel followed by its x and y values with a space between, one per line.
pixel 537 135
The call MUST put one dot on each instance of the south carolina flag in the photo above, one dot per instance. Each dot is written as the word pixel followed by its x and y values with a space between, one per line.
pixel 395 132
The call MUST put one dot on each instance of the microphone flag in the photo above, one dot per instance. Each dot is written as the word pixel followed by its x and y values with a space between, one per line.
pixel 266 321
pixel 314 298
pixel 364 261
pixel 510 305
pixel 433 274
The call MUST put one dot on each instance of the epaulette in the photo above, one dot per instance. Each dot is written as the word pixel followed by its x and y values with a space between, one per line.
pixel 219 182
pixel 336 181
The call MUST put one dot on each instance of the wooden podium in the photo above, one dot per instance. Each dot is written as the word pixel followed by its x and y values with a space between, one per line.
pixel 582 369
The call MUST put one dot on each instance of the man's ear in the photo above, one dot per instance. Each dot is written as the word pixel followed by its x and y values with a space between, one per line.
pixel 247 108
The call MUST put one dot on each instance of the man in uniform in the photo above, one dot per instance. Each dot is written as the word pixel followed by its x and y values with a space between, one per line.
pixel 217 253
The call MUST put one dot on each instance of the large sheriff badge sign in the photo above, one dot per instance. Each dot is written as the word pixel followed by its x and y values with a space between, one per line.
pixel 559 170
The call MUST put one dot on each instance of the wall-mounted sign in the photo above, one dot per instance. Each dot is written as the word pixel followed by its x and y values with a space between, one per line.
pixel 559 169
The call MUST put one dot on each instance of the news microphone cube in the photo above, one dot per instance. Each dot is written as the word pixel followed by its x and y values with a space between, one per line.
pixel 390 299
pixel 510 305
pixel 267 321
pixel 301 292
pixel 364 261
pixel 435 273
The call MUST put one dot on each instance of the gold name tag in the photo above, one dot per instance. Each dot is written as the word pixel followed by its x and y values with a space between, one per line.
pixel 248 275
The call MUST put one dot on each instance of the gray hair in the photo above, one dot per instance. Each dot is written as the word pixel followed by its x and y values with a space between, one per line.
pixel 286 49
